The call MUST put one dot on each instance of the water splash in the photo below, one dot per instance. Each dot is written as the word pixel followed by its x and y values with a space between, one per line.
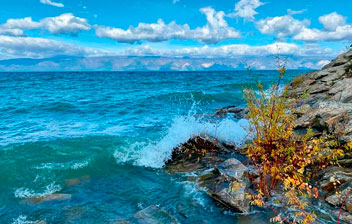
pixel 154 154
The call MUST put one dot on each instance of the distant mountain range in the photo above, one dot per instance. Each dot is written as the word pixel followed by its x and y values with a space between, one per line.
pixel 155 63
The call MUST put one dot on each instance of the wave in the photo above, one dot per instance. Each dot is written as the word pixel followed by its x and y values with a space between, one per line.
pixel 30 193
pixel 154 154
pixel 198 96
pixel 63 166
pixel 23 219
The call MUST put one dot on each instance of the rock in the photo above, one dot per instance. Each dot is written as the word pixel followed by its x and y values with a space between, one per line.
pixel 329 98
pixel 334 176
pixel 228 185
pixel 51 197
pixel 344 216
pixel 342 193
pixel 72 182
pixel 197 154
pixel 154 215
pixel 238 112
pixel 332 117
pixel 233 169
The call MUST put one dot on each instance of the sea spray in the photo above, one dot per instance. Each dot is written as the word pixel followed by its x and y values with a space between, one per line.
pixel 154 154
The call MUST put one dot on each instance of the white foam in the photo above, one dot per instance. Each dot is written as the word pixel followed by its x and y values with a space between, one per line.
pixel 155 154
pixel 22 219
pixel 62 166
pixel 30 193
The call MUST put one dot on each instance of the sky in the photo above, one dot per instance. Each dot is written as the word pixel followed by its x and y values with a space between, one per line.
pixel 108 32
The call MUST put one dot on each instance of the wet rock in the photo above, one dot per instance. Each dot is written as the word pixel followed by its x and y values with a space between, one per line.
pixel 77 181
pixel 198 153
pixel 72 182
pixel 233 169
pixel 228 185
pixel 154 215
pixel 238 112
pixel 52 197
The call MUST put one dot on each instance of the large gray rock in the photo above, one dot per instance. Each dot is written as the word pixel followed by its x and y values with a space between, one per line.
pixel 328 97
pixel 228 185
pixel 154 215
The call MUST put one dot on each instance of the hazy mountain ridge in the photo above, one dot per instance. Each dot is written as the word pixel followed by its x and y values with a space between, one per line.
pixel 156 63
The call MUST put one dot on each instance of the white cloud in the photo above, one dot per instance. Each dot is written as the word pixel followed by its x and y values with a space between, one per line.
pixel 281 26
pixel 29 47
pixel 49 2
pixel 233 50
pixel 246 9
pixel 335 28
pixel 15 27
pixel 332 21
pixel 322 63
pixel 214 31
pixel 295 12
pixel 315 35
pixel 65 23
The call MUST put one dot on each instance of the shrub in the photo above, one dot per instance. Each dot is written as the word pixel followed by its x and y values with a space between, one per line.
pixel 285 160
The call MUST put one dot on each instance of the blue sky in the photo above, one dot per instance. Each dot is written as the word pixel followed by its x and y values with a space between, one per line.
pixel 175 28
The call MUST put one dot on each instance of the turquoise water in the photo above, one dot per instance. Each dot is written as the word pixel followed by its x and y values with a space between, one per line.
pixel 103 137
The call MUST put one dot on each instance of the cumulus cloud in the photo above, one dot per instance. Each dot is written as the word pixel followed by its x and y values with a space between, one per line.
pixel 335 28
pixel 30 47
pixel 281 26
pixel 214 31
pixel 332 21
pixel 246 9
pixel 15 27
pixel 66 23
pixel 49 2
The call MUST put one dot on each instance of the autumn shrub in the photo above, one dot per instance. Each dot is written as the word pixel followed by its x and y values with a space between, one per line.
pixel 286 161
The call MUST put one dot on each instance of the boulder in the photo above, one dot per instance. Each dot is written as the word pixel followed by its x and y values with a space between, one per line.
pixel 238 112
pixel 228 185
pixel 154 215
pixel 328 106
pixel 197 154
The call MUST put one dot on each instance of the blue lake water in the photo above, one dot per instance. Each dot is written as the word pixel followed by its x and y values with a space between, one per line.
pixel 103 137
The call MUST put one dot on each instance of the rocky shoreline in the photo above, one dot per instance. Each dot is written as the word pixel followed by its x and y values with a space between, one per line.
pixel 325 97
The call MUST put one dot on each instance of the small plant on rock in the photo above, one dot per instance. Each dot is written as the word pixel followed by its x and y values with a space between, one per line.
pixel 286 161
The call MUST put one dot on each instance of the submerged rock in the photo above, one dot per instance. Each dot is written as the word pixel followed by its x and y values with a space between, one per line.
pixel 51 197
pixel 228 185
pixel 154 215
